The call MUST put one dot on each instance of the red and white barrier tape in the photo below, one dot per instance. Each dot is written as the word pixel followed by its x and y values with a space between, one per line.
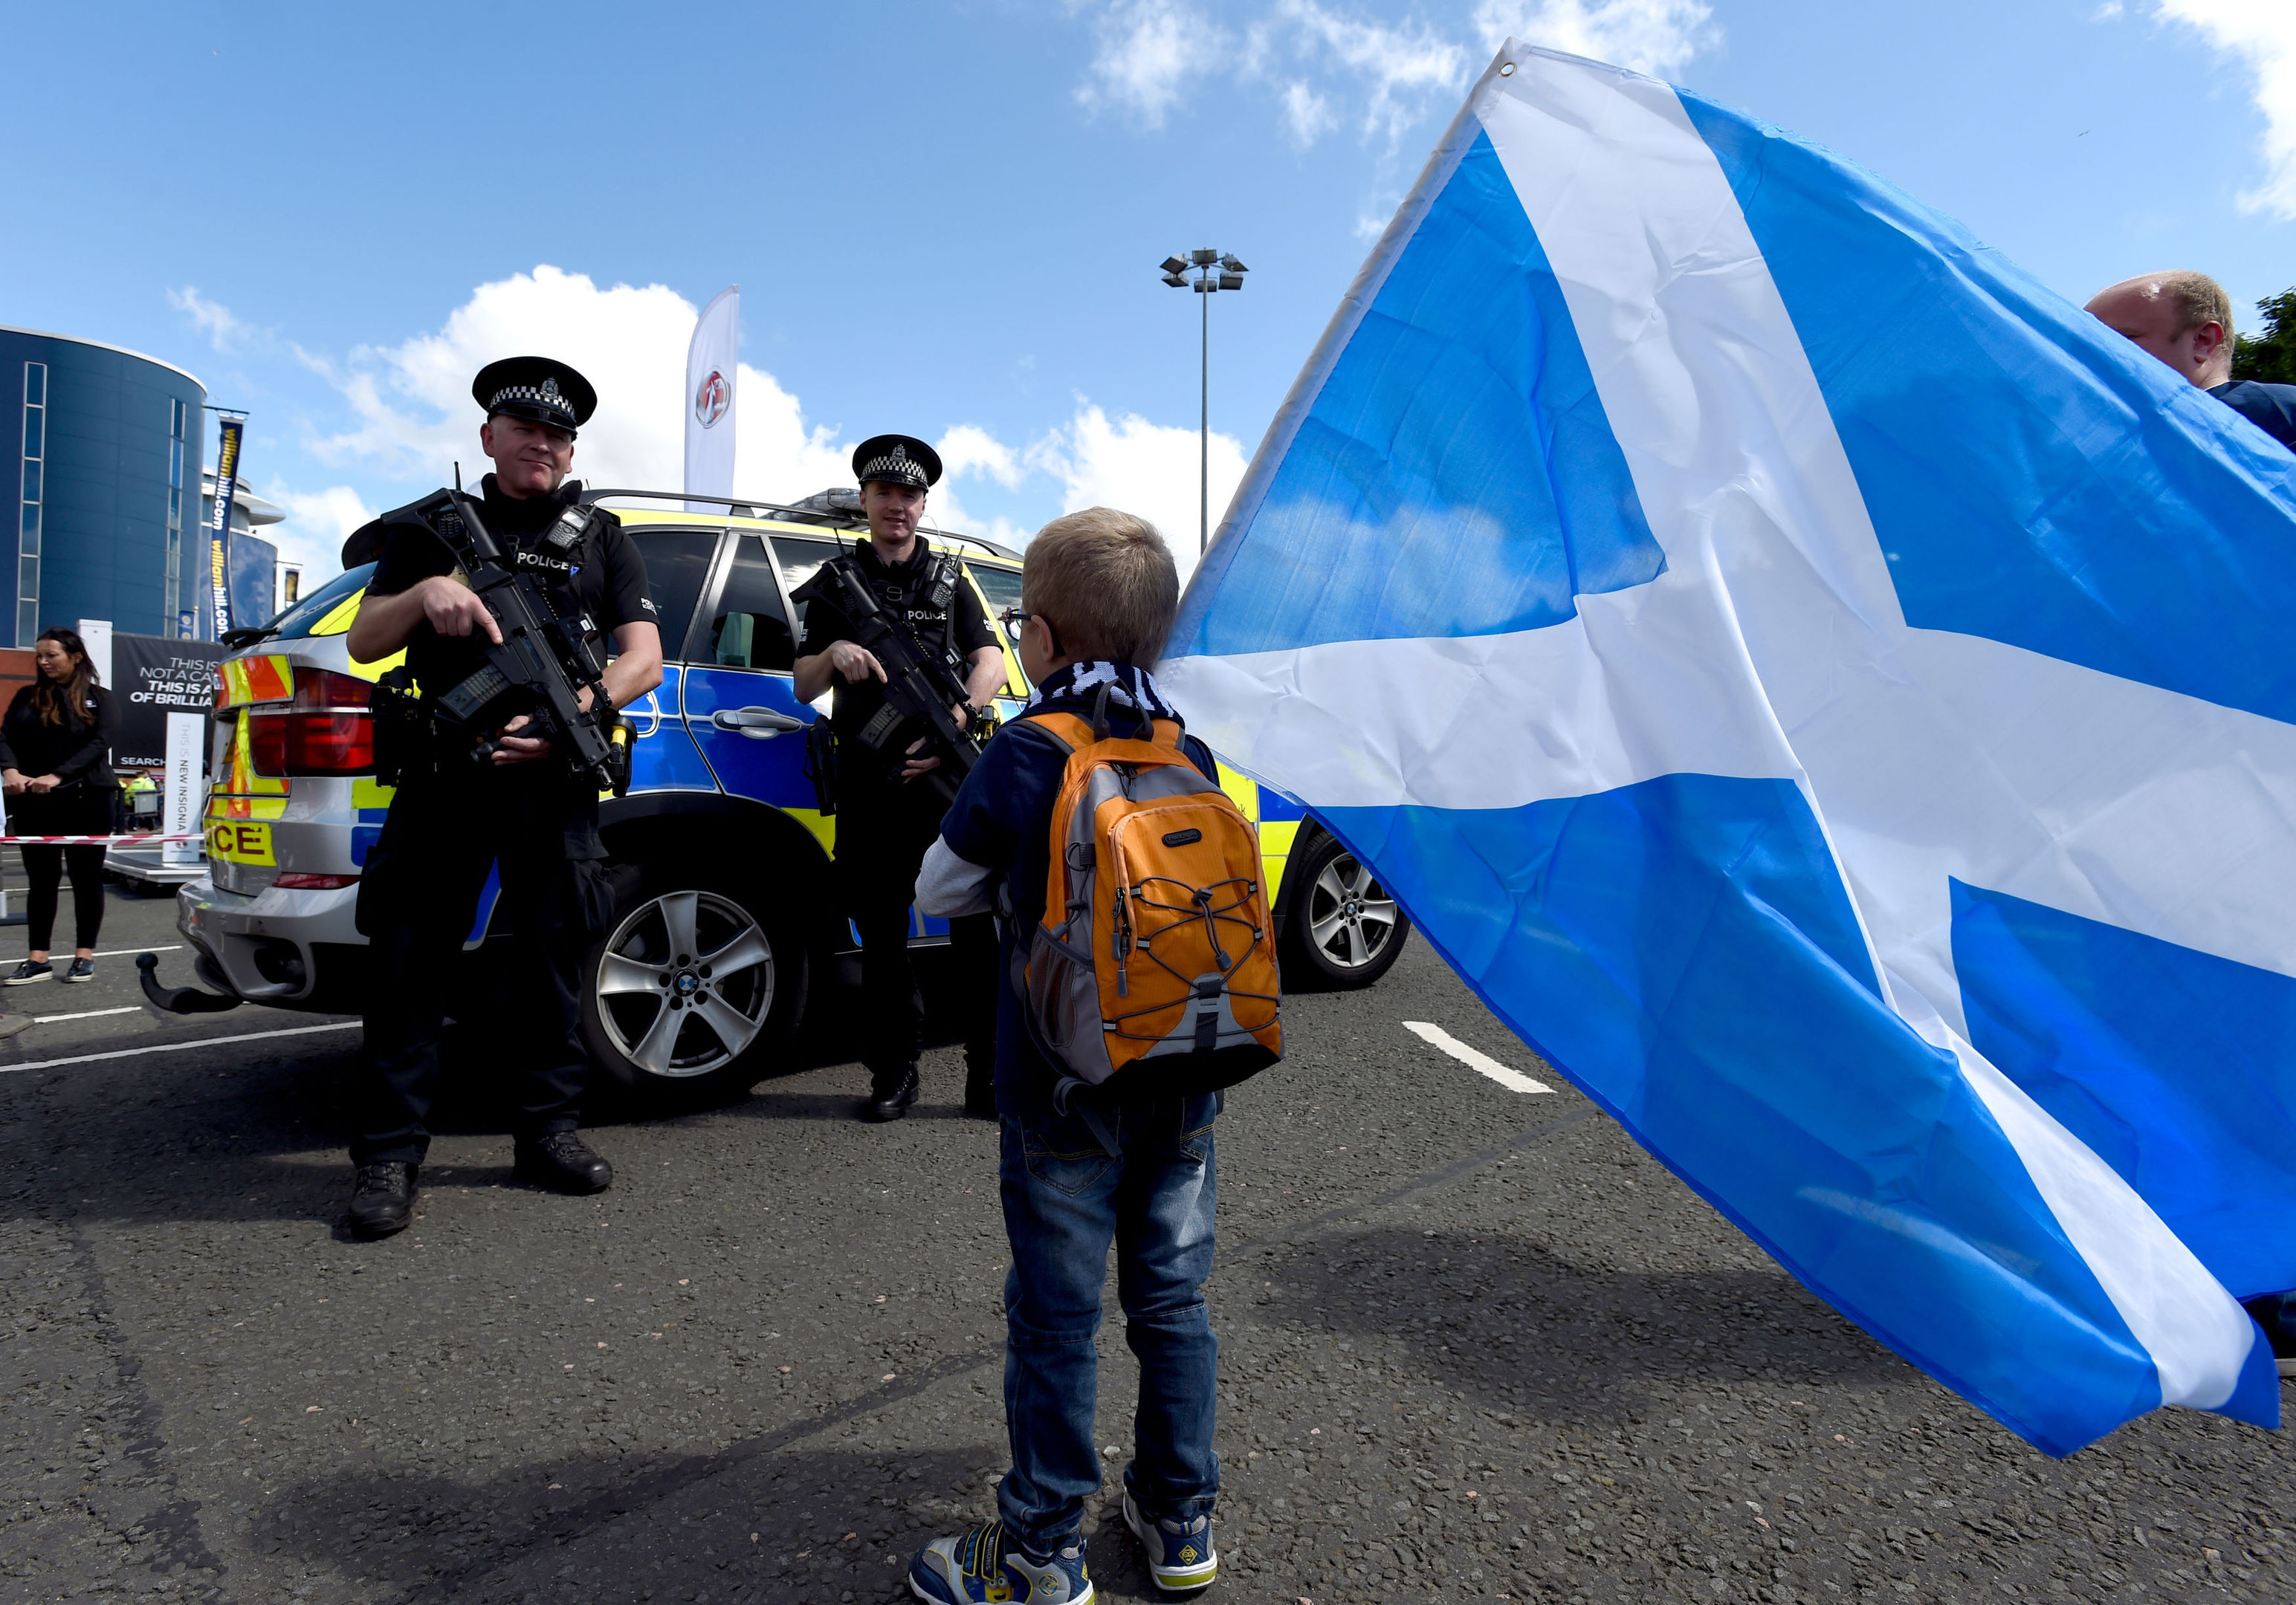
pixel 89 842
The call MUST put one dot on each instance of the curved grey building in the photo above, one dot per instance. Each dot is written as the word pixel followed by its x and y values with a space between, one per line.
pixel 107 448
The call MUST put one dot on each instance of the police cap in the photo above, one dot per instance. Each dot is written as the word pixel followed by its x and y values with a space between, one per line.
pixel 903 459
pixel 538 387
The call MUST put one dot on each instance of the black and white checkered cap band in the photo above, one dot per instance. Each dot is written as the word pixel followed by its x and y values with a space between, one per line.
pixel 547 394
pixel 899 463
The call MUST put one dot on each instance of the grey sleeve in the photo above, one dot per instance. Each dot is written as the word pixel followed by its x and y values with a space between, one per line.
pixel 948 887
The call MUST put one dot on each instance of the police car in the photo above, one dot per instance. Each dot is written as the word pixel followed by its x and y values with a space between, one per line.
pixel 723 855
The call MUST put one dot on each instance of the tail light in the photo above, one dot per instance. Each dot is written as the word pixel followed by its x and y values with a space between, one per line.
pixel 325 688
pixel 302 880
pixel 327 729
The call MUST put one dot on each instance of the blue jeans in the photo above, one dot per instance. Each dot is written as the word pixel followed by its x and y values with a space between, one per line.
pixel 1066 1197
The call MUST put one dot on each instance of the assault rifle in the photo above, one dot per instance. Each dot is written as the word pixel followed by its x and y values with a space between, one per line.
pixel 544 663
pixel 921 686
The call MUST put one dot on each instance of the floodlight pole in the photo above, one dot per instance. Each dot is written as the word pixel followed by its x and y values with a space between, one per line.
pixel 1215 271
pixel 1204 438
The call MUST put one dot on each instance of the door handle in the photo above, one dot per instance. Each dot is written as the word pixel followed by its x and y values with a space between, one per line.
pixel 649 706
pixel 758 723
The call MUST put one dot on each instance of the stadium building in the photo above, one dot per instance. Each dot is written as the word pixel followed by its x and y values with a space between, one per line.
pixel 109 493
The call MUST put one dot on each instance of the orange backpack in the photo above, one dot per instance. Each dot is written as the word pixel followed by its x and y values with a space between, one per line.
pixel 1154 965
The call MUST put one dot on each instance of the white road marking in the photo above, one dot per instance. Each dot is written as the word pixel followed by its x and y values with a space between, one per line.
pixel 1514 1081
pixel 92 1013
pixel 177 1047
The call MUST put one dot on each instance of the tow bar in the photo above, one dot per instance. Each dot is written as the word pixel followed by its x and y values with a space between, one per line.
pixel 177 1000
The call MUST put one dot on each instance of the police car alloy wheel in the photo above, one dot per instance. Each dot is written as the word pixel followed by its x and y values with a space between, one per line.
pixel 685 984
pixel 1344 929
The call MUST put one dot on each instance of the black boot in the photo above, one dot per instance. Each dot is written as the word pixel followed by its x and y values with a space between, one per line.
pixel 382 1199
pixel 563 1163
pixel 890 1095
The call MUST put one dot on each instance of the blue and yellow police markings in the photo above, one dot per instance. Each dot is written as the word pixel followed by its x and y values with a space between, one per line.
pixel 1274 815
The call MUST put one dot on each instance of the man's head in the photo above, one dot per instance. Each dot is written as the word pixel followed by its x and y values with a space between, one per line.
pixel 895 471
pixel 2182 318
pixel 534 404
pixel 1096 583
pixel 530 459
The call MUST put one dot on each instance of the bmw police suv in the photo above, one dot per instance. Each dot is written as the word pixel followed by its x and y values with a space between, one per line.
pixel 722 852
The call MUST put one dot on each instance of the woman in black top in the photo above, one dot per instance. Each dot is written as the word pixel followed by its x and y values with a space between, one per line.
pixel 55 767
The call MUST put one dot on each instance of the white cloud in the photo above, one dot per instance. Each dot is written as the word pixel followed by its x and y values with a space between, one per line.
pixel 968 449
pixel 2262 33
pixel 209 317
pixel 318 520
pixel 1657 36
pixel 415 418
pixel 1399 69
pixel 1140 467
pixel 778 456
pixel 1306 114
pixel 1152 53
pixel 414 399
pixel 1329 65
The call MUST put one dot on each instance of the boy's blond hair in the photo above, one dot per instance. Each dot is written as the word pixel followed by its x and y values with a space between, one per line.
pixel 1107 582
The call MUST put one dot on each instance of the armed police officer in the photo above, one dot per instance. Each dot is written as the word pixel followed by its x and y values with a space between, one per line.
pixel 515 803
pixel 888 813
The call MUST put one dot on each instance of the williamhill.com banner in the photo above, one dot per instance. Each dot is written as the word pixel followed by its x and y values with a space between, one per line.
pixel 219 523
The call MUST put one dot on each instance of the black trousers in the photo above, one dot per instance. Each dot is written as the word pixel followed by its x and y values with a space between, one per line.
pixel 80 810
pixel 43 870
pixel 882 833
pixel 418 899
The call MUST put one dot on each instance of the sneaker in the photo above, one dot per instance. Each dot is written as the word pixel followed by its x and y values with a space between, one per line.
pixel 985 1563
pixel 27 972
pixel 82 969
pixel 1180 1554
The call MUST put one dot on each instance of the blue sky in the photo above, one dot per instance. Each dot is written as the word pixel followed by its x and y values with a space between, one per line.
pixel 944 218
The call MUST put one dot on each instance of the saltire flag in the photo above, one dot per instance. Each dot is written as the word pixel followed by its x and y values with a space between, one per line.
pixel 1833 698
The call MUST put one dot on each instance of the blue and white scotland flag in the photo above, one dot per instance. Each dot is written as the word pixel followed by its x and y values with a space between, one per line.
pixel 1835 700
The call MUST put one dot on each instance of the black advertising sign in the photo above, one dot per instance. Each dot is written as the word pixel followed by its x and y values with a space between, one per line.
pixel 153 676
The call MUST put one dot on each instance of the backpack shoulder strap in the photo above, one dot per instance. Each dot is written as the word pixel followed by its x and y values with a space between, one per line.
pixel 1076 733
pixel 1069 731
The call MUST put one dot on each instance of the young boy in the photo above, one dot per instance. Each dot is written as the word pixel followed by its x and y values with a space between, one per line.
pixel 1100 591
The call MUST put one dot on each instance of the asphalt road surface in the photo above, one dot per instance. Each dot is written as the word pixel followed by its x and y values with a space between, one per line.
pixel 1475 1345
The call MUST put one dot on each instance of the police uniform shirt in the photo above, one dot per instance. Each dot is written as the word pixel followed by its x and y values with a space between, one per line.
pixel 906 590
pixel 602 578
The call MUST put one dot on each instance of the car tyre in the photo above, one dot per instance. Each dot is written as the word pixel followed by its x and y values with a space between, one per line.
pixel 695 990
pixel 1342 929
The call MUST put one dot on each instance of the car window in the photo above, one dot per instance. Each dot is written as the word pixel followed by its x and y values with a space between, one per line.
pixel 1001 586
pixel 798 559
pixel 748 627
pixel 1001 589
pixel 677 563
pixel 296 622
